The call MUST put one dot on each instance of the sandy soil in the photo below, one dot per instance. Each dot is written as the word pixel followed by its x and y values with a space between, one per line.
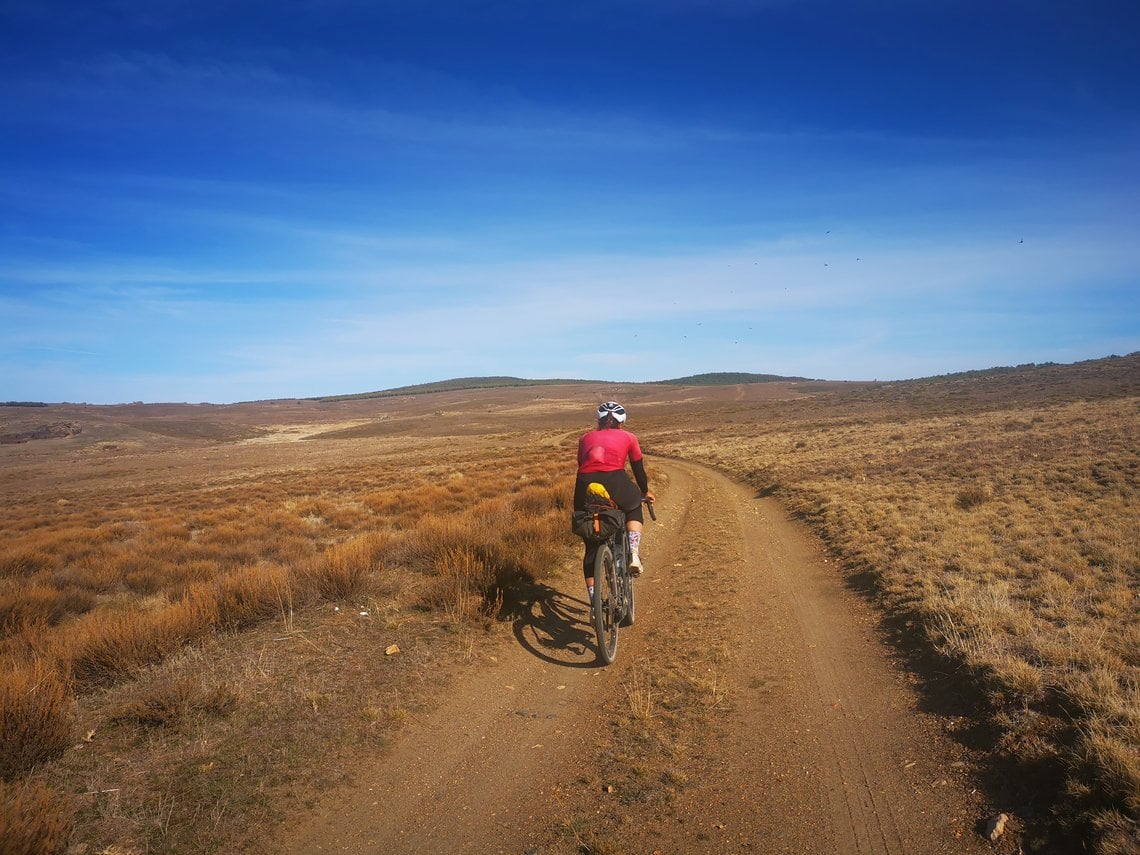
pixel 823 746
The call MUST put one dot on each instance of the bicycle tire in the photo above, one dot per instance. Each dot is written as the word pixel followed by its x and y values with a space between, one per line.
pixel 605 604
pixel 629 616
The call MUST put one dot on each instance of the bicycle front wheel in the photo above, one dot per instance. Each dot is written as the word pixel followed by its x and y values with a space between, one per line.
pixel 605 604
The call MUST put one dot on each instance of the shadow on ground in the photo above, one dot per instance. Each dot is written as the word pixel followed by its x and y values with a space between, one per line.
pixel 554 626
pixel 1028 791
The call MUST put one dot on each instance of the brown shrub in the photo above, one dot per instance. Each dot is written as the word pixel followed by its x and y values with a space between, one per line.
pixel 346 517
pixel 167 548
pixel 344 569
pixel 424 499
pixel 537 500
pixel 489 550
pixel 423 547
pixel 462 580
pixel 1116 834
pixel 98 574
pixel 383 503
pixel 33 820
pixel 971 497
pixel 537 545
pixel 183 577
pixel 250 594
pixel 162 702
pixel 25 561
pixel 40 603
pixel 103 646
pixel 35 720
pixel 147 579
pixel 289 549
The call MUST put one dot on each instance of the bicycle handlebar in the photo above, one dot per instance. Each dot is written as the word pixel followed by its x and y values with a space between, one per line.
pixel 649 504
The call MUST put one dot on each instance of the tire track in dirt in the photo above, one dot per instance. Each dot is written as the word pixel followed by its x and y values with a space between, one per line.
pixel 821 749
pixel 825 750
pixel 478 770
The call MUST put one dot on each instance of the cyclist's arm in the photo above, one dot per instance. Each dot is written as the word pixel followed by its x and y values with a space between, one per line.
pixel 638 467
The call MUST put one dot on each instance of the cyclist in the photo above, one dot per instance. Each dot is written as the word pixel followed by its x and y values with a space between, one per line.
pixel 602 455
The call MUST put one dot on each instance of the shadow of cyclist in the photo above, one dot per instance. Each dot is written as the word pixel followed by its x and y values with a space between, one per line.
pixel 547 621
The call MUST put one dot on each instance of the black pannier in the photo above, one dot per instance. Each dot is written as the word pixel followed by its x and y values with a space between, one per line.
pixel 597 523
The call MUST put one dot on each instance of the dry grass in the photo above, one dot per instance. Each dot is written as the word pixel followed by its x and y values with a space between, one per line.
pixel 107 645
pixel 172 702
pixel 35 720
pixel 109 595
pixel 33 820
pixel 1009 528
pixel 191 628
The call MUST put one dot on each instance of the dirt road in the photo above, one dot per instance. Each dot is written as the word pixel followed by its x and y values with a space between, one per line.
pixel 813 740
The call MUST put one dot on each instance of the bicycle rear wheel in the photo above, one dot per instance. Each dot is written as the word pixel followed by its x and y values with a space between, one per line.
pixel 605 603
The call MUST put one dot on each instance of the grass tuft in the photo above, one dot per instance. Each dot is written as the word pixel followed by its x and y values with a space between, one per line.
pixel 40 603
pixel 171 702
pixel 34 820
pixel 345 568
pixel 460 585
pixel 35 720
pixel 102 647
pixel 971 497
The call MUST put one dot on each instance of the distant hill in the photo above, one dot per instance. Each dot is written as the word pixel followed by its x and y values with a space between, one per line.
pixel 1030 383
pixel 731 378
pixel 1027 372
pixel 719 378
pixel 457 384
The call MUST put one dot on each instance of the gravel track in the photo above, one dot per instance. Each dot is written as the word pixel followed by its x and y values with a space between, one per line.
pixel 821 745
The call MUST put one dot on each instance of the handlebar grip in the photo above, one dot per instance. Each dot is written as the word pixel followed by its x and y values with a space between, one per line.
pixel 652 513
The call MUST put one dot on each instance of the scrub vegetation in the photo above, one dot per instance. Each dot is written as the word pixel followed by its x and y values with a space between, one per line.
pixel 180 632
pixel 202 616
pixel 997 513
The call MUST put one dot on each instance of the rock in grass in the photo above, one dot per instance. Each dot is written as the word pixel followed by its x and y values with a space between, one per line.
pixel 995 828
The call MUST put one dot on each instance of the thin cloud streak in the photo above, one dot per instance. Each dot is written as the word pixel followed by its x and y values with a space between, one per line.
pixel 279 212
pixel 764 305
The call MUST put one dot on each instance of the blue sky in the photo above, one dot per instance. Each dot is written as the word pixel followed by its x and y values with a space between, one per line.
pixel 225 201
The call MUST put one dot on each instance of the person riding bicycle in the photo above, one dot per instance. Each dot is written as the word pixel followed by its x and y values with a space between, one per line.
pixel 602 455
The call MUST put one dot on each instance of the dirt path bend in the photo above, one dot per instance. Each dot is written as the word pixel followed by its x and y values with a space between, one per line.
pixel 819 747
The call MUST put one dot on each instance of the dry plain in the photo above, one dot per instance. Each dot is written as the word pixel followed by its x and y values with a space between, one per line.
pixel 877 615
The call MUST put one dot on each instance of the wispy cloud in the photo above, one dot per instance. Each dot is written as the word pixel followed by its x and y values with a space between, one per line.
pixel 809 302
pixel 64 350
pixel 266 215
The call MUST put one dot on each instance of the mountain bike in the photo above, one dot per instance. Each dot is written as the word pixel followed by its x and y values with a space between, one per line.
pixel 612 604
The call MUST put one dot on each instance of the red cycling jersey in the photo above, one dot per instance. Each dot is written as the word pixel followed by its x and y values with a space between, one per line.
pixel 606 450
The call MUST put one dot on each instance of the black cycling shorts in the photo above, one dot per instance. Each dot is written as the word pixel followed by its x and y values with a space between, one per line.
pixel 621 488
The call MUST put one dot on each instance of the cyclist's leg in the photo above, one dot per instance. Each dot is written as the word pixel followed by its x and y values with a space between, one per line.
pixel 628 497
pixel 591 553
pixel 633 532
pixel 580 484
pixel 588 564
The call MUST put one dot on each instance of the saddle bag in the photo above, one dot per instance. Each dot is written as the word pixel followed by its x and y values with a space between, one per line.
pixel 600 519
pixel 596 523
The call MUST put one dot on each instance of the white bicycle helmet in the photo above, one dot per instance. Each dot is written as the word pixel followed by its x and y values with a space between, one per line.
pixel 612 408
